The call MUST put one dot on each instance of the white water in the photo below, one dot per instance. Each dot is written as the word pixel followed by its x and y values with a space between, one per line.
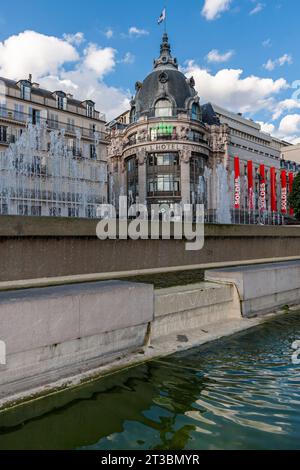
pixel 38 177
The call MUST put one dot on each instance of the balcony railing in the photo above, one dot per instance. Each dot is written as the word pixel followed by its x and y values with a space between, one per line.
pixel 7 139
pixel 51 124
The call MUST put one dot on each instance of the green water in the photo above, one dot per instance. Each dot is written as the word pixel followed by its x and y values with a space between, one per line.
pixel 238 393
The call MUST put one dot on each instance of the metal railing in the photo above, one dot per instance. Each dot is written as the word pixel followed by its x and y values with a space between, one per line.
pixel 51 124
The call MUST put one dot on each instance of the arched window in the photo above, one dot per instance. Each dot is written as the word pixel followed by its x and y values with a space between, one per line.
pixel 196 112
pixel 163 108
pixel 133 115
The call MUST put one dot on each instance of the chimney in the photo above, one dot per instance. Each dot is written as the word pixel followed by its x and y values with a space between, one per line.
pixel 30 77
pixel 69 95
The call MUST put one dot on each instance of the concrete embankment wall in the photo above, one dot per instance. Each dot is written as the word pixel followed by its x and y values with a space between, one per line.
pixel 53 333
pixel 34 248
pixel 262 288
pixel 56 333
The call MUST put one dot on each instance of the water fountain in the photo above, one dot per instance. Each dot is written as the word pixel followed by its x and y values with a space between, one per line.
pixel 40 175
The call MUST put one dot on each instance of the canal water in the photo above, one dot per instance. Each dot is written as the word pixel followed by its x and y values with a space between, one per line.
pixel 242 392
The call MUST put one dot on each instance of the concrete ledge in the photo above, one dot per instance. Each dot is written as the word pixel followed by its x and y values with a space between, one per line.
pixel 54 332
pixel 181 309
pixel 262 288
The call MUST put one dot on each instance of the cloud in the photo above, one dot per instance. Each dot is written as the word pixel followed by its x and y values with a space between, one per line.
pixel 257 9
pixel 290 125
pixel 76 39
pixel 101 61
pixel 48 58
pixel 32 52
pixel 136 32
pixel 267 43
pixel 212 9
pixel 129 58
pixel 285 105
pixel 272 64
pixel 109 33
pixel 229 89
pixel 215 56
pixel 266 127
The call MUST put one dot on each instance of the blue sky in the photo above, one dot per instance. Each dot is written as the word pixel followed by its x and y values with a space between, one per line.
pixel 242 53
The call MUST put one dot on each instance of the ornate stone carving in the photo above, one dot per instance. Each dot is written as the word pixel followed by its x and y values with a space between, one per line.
pixel 142 156
pixel 183 133
pixel 163 77
pixel 185 155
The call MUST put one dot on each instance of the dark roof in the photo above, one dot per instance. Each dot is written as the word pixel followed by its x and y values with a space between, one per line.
pixel 208 115
pixel 177 87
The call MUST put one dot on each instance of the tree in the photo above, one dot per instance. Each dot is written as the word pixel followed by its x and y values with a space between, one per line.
pixel 294 197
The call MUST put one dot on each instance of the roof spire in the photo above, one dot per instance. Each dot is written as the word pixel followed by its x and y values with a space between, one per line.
pixel 165 59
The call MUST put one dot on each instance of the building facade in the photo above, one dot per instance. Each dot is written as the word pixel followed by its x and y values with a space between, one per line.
pixel 53 152
pixel 173 149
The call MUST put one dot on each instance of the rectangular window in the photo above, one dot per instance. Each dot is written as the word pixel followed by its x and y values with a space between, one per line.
pixel 61 102
pixel 25 92
pixel 19 113
pixel 93 153
pixel 71 125
pixel 53 121
pixel 3 134
pixel 3 110
pixel 90 111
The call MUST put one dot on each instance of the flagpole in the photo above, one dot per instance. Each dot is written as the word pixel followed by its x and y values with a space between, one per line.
pixel 165 19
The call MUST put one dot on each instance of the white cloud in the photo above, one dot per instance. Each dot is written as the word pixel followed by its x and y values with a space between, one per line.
pixel 76 39
pixel 109 33
pixel 267 43
pixel 284 59
pixel 35 53
pixel 215 56
pixel 285 105
pixel 46 58
pixel 229 89
pixel 290 125
pixel 267 127
pixel 134 31
pixel 213 8
pixel 101 61
pixel 257 9
pixel 129 58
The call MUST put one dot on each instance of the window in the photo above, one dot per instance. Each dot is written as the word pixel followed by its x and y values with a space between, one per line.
pixel 19 113
pixel 196 136
pixel 3 134
pixel 3 110
pixel 35 116
pixel 92 130
pixel 132 179
pixel 197 166
pixel 163 108
pixel 90 109
pixel 25 92
pixel 133 116
pixel 196 112
pixel 163 174
pixel 71 125
pixel 53 121
pixel 93 153
pixel 61 102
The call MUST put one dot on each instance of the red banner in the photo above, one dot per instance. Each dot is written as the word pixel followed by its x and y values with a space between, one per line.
pixel 250 185
pixel 237 183
pixel 283 192
pixel 291 182
pixel 273 190
pixel 262 189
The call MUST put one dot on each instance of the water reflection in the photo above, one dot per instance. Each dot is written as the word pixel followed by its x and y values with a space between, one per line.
pixel 239 393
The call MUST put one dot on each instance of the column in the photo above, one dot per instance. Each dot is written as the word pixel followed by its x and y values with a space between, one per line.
pixel 185 176
pixel 142 171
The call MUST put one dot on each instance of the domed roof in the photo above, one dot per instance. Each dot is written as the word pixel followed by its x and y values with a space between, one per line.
pixel 165 82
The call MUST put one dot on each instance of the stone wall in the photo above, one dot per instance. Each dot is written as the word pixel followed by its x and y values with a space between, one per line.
pixel 32 248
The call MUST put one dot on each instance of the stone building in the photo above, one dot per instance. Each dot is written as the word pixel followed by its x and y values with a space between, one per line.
pixel 53 152
pixel 160 155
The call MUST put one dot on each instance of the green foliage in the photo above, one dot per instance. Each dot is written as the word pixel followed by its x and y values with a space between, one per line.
pixel 294 197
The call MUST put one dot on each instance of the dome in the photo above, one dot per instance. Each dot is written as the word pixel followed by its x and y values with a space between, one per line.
pixel 166 90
